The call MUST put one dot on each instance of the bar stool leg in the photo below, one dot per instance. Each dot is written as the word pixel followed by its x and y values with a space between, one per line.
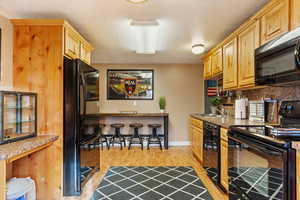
pixel 142 143
pixel 155 136
pixel 107 143
pixel 100 140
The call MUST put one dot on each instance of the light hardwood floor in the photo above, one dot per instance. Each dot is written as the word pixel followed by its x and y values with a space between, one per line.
pixel 175 156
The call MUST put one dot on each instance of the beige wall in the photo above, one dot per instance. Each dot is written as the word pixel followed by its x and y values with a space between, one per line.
pixel 182 84
pixel 6 54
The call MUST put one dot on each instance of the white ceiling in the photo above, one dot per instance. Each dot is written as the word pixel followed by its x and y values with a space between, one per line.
pixel 105 23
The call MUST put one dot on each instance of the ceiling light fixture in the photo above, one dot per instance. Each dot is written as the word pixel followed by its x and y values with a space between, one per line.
pixel 146 36
pixel 198 48
pixel 137 1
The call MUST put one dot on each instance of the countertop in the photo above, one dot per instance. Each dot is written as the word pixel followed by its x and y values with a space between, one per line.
pixel 227 122
pixel 97 115
pixel 10 150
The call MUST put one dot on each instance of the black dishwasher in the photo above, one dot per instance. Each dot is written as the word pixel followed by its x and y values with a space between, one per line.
pixel 211 152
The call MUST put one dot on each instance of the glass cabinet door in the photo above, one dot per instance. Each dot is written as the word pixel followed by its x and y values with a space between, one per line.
pixel 27 110
pixel 9 116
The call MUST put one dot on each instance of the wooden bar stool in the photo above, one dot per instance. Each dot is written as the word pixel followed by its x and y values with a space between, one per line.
pixel 117 137
pixel 154 138
pixel 136 138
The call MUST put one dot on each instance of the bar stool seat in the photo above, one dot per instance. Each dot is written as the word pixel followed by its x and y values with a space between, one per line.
pixel 154 125
pixel 117 136
pixel 117 125
pixel 136 137
pixel 154 137
pixel 136 125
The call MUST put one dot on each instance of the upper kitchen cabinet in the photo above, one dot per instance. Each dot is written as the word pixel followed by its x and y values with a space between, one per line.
pixel 72 43
pixel 217 62
pixel 230 64
pixel 295 13
pixel 85 52
pixel 207 67
pixel 248 42
pixel 275 20
pixel 76 46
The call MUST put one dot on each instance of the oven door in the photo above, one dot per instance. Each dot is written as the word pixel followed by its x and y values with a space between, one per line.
pixel 257 170
pixel 278 63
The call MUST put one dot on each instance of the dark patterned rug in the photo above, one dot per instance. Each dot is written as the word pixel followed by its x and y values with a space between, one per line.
pixel 151 183
pixel 85 172
pixel 256 183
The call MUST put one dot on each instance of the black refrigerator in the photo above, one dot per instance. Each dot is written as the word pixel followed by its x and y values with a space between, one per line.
pixel 81 154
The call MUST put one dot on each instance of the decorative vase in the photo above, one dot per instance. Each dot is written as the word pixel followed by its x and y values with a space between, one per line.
pixel 213 110
pixel 162 110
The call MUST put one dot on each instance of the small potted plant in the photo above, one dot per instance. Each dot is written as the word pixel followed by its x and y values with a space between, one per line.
pixel 162 104
pixel 216 101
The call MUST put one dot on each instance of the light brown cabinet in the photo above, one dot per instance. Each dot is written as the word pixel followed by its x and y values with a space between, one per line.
pixel 230 64
pixel 45 43
pixel 85 52
pixel 248 42
pixel 224 158
pixel 75 46
pixel 295 13
pixel 197 150
pixel 207 67
pixel 275 21
pixel 275 18
pixel 217 62
pixel 196 136
pixel 72 44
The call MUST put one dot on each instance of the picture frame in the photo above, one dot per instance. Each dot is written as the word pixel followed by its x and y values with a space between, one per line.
pixel 130 84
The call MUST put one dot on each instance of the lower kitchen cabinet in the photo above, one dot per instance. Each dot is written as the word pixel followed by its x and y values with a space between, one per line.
pixel 295 15
pixel 198 143
pixel 224 158
pixel 196 137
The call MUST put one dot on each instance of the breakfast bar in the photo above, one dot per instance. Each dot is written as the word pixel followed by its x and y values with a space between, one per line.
pixel 163 116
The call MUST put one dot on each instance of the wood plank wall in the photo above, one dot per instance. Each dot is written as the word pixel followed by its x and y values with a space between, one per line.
pixel 38 67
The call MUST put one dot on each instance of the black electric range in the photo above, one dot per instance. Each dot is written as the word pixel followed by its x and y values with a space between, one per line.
pixel 261 160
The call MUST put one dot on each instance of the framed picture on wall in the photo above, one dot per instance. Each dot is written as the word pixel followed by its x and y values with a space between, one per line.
pixel 130 84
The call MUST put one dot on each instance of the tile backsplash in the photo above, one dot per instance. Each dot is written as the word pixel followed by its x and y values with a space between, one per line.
pixel 280 93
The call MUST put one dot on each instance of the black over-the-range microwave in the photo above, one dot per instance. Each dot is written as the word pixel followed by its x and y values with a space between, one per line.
pixel 278 61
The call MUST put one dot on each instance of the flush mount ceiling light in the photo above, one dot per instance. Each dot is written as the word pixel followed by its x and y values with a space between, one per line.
pixel 137 1
pixel 146 36
pixel 198 48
